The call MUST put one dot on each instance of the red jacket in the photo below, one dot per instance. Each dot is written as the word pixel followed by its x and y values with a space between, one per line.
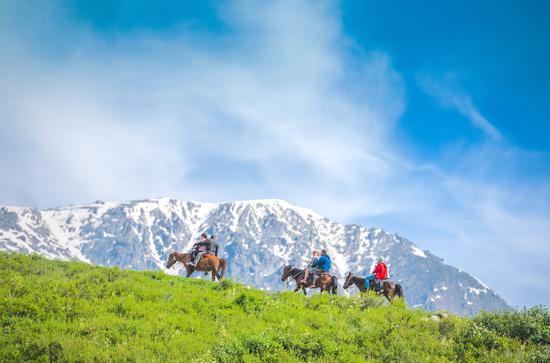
pixel 381 271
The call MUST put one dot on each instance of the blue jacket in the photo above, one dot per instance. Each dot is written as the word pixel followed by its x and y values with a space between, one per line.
pixel 323 263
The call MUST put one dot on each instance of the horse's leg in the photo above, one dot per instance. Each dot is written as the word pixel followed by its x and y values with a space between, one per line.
pixel 189 270
pixel 304 289
pixel 387 293
pixel 321 285
pixel 214 273
pixel 392 294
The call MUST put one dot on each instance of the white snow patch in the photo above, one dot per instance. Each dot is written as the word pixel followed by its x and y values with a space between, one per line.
pixel 473 290
pixel 418 252
pixel 281 251
pixel 278 204
pixel 481 282
pixel 70 239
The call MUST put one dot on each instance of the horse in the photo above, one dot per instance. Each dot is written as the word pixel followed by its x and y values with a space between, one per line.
pixel 325 282
pixel 212 263
pixel 389 289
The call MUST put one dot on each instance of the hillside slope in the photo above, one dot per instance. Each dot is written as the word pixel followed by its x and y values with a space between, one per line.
pixel 256 236
pixel 68 311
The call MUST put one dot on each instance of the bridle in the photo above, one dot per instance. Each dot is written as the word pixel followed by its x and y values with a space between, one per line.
pixel 174 263
pixel 352 283
pixel 350 278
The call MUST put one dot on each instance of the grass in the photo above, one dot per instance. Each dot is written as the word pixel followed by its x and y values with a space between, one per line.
pixel 74 312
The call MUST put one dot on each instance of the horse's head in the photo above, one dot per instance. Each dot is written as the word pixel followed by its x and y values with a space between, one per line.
pixel 286 272
pixel 171 260
pixel 348 281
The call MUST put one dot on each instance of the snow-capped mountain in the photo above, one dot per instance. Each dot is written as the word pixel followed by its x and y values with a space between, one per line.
pixel 256 236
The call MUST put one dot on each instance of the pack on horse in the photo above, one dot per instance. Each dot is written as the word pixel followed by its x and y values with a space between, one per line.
pixel 208 263
pixel 389 289
pixel 324 281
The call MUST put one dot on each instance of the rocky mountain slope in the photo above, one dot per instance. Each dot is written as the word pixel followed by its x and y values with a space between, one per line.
pixel 256 236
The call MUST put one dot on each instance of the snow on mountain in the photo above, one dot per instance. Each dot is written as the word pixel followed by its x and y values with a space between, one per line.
pixel 256 236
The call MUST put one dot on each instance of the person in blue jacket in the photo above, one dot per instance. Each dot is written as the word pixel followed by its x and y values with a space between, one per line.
pixel 320 266
pixel 324 262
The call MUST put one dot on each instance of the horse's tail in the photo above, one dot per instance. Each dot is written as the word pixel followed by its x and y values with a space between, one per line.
pixel 398 290
pixel 223 267
pixel 334 285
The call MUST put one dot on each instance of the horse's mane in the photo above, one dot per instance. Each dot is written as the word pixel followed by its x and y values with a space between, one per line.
pixel 294 270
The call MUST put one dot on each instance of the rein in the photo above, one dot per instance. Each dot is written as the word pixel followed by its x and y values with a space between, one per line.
pixel 354 280
pixel 292 277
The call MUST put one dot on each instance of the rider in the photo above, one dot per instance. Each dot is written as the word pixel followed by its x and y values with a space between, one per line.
pixel 380 273
pixel 199 249
pixel 213 245
pixel 211 248
pixel 323 264
pixel 309 268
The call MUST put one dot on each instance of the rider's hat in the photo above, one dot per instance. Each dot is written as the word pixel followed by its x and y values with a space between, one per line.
pixel 380 259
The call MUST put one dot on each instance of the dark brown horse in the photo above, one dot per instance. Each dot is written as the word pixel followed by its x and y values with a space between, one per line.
pixel 325 282
pixel 211 263
pixel 389 289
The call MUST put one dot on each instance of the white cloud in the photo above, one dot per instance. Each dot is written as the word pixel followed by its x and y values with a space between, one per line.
pixel 147 113
pixel 452 97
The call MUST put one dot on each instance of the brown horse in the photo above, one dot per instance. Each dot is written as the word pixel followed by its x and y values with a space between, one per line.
pixel 325 282
pixel 389 289
pixel 212 263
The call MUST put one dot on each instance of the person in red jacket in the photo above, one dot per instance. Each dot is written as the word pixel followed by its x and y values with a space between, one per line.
pixel 380 273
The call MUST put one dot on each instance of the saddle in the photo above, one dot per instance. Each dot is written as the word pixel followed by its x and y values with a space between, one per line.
pixel 312 278
pixel 206 255
pixel 380 283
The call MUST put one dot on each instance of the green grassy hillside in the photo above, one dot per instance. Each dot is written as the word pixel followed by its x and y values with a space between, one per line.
pixel 66 311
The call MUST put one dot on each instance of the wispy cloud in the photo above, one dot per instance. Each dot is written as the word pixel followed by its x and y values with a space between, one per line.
pixel 450 96
pixel 159 112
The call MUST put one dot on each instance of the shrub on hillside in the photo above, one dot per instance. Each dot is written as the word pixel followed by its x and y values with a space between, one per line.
pixel 527 325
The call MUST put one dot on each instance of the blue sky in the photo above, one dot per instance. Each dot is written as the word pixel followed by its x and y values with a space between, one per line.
pixel 430 121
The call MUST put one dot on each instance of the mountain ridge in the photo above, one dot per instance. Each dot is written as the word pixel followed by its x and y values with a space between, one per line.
pixel 257 236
